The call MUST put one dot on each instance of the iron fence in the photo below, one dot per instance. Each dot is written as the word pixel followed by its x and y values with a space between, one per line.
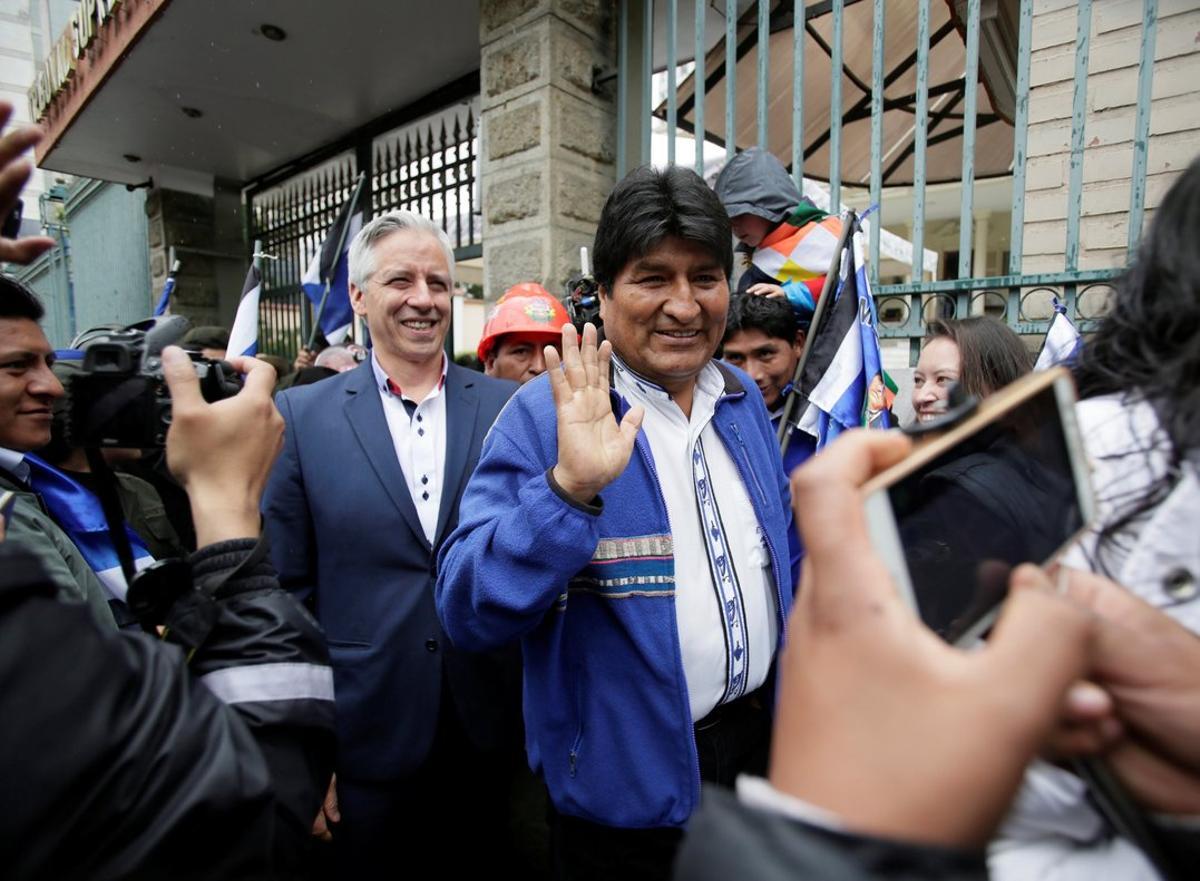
pixel 429 166
pixel 909 111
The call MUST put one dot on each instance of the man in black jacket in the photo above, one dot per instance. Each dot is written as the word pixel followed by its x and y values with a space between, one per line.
pixel 201 754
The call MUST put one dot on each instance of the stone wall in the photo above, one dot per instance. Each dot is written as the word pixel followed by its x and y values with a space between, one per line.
pixel 1115 51
pixel 206 232
pixel 548 145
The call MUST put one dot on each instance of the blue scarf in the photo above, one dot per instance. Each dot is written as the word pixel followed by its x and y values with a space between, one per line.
pixel 79 512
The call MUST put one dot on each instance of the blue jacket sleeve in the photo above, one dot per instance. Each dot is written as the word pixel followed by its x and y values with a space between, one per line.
pixel 800 298
pixel 517 544
pixel 286 518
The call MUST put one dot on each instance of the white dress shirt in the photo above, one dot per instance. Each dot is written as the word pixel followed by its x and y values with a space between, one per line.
pixel 419 435
pixel 725 601
pixel 14 463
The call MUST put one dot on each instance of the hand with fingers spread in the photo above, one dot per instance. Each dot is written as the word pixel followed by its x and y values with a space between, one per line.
pixel 221 453
pixel 880 721
pixel 14 172
pixel 593 449
pixel 1146 721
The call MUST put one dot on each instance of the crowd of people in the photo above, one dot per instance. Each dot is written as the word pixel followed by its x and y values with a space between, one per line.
pixel 411 611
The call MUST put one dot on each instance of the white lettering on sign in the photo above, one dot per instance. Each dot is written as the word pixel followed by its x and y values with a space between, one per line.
pixel 71 45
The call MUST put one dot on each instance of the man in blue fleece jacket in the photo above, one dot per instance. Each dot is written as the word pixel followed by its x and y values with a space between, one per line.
pixel 628 522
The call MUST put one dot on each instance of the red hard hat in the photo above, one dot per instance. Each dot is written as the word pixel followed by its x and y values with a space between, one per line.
pixel 526 308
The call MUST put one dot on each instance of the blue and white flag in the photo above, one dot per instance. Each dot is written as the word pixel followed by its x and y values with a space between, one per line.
pixel 164 302
pixel 79 512
pixel 243 336
pixel 332 264
pixel 1063 341
pixel 844 380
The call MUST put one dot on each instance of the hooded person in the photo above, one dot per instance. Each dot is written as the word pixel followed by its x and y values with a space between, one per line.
pixel 785 241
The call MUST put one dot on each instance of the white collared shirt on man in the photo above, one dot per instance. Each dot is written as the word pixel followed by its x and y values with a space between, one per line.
pixel 725 602
pixel 419 437
pixel 14 463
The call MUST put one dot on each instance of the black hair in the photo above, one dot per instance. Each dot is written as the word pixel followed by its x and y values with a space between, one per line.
pixel 774 317
pixel 649 205
pixel 1149 343
pixel 18 301
pixel 992 355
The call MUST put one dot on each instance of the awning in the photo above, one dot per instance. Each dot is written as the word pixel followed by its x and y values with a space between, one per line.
pixel 185 91
pixel 994 141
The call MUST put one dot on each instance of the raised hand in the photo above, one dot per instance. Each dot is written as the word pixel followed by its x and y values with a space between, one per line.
pixel 14 172
pixel 593 449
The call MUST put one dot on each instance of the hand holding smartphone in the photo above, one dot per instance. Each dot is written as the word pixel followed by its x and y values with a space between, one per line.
pixel 1008 484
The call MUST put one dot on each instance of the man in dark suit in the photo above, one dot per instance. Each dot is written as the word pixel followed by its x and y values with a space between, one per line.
pixel 364 493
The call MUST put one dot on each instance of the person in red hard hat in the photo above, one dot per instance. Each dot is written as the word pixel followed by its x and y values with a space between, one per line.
pixel 523 322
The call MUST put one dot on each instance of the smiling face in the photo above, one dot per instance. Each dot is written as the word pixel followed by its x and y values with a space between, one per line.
pixel 940 366
pixel 770 361
pixel 27 385
pixel 666 312
pixel 406 298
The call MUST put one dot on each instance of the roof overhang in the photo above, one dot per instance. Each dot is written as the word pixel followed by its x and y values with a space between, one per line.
pixel 185 92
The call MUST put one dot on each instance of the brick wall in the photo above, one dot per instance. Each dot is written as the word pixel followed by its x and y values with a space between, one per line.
pixel 1108 135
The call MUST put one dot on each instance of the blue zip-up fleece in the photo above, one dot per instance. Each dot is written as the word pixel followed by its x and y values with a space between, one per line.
pixel 590 592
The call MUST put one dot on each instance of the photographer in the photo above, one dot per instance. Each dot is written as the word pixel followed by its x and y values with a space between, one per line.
pixel 129 757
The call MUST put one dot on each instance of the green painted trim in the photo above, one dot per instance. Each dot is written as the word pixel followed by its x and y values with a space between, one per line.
pixel 1141 127
pixel 877 76
pixel 1083 35
pixel 1016 235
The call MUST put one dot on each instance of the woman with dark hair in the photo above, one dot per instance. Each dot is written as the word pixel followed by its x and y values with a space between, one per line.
pixel 1139 416
pixel 980 353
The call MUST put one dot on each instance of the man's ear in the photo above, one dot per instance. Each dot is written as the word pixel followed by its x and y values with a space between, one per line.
pixel 358 300
pixel 801 336
pixel 489 363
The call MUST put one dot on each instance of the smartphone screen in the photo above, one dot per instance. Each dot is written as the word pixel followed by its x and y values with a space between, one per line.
pixel 1002 496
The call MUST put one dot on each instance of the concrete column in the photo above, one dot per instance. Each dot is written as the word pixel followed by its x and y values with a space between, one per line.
pixel 207 234
pixel 548 143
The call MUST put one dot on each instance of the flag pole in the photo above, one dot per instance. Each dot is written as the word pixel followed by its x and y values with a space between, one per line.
pixel 787 422
pixel 316 329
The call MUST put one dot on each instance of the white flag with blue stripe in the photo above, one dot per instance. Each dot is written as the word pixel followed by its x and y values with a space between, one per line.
pixel 243 336
pixel 1062 340
pixel 331 264
pixel 844 380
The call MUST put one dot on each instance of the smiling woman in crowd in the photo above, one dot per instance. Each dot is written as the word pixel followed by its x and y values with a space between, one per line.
pixel 979 352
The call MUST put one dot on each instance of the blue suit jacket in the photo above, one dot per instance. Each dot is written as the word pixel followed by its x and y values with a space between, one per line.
pixel 346 539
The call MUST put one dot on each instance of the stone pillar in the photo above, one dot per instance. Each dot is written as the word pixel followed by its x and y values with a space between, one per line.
pixel 206 232
pixel 548 144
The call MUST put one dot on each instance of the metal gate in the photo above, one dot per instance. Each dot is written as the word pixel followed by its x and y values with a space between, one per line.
pixel 728 57
pixel 429 165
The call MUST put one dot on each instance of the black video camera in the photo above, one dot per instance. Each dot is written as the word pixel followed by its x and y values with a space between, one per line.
pixel 583 301
pixel 120 398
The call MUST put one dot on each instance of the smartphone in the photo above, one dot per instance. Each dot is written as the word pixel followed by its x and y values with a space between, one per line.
pixel 1005 485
